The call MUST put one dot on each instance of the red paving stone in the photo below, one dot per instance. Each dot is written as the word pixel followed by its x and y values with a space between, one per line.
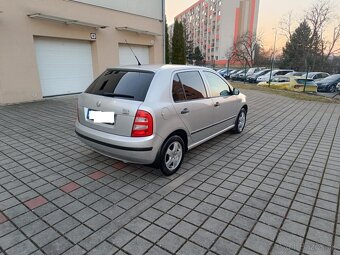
pixel 70 187
pixel 35 202
pixel 119 165
pixel 3 218
pixel 97 175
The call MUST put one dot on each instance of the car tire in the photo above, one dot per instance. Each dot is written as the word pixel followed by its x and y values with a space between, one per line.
pixel 240 122
pixel 332 89
pixel 171 155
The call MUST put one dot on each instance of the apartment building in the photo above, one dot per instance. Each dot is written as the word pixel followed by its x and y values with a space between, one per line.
pixel 56 47
pixel 214 25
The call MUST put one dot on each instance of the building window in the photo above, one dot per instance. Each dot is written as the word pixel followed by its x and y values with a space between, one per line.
pixel 219 13
pixel 219 3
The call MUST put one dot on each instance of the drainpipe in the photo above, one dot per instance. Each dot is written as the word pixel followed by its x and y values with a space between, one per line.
pixel 163 17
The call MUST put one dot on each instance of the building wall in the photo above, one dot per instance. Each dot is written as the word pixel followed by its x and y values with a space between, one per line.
pixel 214 25
pixel 19 77
pixel 144 8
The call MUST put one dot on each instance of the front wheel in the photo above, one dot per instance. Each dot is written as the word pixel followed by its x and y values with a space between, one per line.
pixel 332 89
pixel 171 155
pixel 240 122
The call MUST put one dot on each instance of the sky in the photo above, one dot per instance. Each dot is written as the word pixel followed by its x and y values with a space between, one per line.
pixel 270 14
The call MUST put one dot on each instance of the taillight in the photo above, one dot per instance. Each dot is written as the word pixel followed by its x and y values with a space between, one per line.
pixel 142 125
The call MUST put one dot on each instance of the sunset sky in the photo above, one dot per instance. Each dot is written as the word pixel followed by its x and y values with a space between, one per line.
pixel 270 14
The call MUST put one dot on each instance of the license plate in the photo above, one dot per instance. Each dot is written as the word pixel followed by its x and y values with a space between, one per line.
pixel 101 117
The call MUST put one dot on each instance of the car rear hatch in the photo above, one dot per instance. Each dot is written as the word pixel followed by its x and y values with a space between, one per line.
pixel 118 92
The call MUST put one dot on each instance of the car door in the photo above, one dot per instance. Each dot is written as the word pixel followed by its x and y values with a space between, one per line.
pixel 192 104
pixel 225 104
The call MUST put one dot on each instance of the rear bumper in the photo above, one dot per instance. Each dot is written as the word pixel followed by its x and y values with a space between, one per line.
pixel 141 150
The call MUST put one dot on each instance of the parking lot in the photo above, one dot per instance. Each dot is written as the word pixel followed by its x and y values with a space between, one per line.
pixel 272 189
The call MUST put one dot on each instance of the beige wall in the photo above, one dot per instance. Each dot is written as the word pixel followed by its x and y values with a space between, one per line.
pixel 19 78
pixel 146 8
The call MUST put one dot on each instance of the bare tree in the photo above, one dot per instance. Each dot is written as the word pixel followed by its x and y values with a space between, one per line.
pixel 286 25
pixel 332 46
pixel 323 21
pixel 245 48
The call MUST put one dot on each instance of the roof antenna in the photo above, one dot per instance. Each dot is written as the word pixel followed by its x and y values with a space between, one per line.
pixel 139 64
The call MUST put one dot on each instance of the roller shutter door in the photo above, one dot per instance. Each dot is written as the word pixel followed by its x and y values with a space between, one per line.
pixel 126 57
pixel 65 66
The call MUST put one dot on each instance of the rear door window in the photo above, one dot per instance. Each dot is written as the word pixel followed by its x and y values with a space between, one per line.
pixel 129 84
pixel 178 93
pixel 193 85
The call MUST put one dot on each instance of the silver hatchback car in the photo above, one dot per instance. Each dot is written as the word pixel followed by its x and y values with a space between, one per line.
pixel 154 114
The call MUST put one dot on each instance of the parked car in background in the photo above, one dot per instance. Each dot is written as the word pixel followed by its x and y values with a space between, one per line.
pixel 252 78
pixel 253 70
pixel 316 76
pixel 276 72
pixel 242 76
pixel 221 71
pixel 235 76
pixel 154 114
pixel 227 74
pixel 338 88
pixel 291 83
pixel 295 73
pixel 329 83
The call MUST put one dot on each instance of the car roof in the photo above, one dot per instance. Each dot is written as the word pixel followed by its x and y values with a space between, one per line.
pixel 311 73
pixel 277 70
pixel 281 76
pixel 291 77
pixel 156 68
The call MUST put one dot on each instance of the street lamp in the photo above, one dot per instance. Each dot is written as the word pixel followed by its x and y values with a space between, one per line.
pixel 273 56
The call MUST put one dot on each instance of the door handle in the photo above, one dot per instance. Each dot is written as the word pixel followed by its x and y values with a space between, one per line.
pixel 185 110
pixel 217 104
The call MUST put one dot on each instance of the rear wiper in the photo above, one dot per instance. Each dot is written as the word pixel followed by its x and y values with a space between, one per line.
pixel 108 94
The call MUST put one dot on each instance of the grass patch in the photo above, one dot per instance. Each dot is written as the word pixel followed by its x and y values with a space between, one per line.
pixel 290 94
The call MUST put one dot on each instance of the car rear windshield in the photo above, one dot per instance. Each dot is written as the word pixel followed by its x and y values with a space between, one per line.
pixel 120 83
pixel 307 81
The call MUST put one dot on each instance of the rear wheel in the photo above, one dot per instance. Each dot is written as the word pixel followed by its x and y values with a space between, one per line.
pixel 332 89
pixel 240 122
pixel 171 155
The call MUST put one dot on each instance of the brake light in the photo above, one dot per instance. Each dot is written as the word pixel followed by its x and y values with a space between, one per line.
pixel 142 125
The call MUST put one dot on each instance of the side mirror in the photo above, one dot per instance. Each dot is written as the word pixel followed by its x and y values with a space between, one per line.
pixel 236 91
pixel 225 93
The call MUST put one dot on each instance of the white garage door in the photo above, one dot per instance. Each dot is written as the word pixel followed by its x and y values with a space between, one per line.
pixel 126 57
pixel 65 66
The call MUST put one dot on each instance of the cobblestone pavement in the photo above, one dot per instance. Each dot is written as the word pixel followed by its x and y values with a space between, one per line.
pixel 272 189
pixel 332 95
